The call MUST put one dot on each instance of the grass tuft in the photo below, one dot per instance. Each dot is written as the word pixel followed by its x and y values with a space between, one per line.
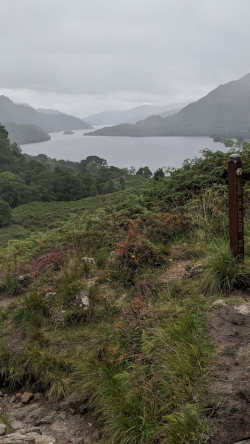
pixel 222 272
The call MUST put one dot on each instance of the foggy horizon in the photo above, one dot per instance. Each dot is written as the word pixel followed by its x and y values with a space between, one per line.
pixel 86 57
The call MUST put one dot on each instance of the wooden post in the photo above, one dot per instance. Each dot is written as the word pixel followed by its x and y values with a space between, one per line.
pixel 235 201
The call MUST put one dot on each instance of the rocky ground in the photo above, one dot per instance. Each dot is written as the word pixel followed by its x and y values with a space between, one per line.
pixel 30 418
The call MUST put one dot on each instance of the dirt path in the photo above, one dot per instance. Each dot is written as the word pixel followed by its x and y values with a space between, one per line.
pixel 176 271
pixel 230 330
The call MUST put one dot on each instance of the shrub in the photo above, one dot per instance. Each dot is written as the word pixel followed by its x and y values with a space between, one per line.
pixel 5 213
pixel 166 226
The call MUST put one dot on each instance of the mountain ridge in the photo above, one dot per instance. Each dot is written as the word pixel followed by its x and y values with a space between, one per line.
pixel 132 115
pixel 17 116
pixel 223 111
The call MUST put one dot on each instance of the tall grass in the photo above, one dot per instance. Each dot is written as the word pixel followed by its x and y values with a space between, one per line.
pixel 222 271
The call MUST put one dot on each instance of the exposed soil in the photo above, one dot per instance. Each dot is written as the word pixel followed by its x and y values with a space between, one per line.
pixel 229 325
pixel 5 300
pixel 177 270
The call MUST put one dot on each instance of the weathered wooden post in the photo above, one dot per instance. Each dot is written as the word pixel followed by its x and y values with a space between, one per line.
pixel 235 201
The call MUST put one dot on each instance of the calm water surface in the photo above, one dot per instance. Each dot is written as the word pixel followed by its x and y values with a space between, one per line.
pixel 124 152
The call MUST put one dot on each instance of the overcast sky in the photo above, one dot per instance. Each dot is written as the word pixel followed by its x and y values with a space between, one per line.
pixel 85 56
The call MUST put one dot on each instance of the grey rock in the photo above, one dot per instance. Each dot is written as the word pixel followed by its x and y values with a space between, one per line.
pixel 81 298
pixel 90 283
pixel 2 429
pixel 196 269
pixel 17 425
pixel 28 438
pixel 89 260
pixel 219 302
pixel 48 296
pixel 24 279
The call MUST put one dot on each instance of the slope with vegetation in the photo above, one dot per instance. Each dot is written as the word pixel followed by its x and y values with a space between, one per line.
pixel 110 308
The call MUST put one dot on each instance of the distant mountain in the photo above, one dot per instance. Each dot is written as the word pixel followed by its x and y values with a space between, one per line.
pixel 47 120
pixel 48 111
pixel 225 112
pixel 132 115
pixel 22 134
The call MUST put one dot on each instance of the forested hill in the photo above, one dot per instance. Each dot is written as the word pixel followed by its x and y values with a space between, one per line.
pixel 26 124
pixel 223 112
pixel 24 179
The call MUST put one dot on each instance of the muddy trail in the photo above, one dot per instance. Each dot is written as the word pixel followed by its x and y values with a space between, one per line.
pixel 229 325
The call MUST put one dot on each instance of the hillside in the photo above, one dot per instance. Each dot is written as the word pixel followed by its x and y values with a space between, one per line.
pixel 126 321
pixel 131 115
pixel 22 134
pixel 25 179
pixel 223 112
pixel 48 122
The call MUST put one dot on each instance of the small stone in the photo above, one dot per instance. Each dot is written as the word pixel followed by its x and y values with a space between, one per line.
pixel 17 406
pixel 219 302
pixel 38 396
pixel 12 399
pixel 2 429
pixel 194 270
pixel 27 397
pixel 90 283
pixel 81 298
pixel 24 279
pixel 243 309
pixel 89 260
pixel 19 395
pixel 49 295
pixel 1 394
pixel 17 425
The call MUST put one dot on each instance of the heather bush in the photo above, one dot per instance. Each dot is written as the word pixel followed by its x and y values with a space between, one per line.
pixel 133 254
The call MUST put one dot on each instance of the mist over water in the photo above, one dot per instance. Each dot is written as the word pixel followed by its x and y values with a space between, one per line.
pixel 124 152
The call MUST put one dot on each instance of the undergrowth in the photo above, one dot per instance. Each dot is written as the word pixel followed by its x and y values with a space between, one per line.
pixel 138 351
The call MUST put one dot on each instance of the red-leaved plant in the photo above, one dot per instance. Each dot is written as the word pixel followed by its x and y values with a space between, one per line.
pixel 132 254
pixel 52 261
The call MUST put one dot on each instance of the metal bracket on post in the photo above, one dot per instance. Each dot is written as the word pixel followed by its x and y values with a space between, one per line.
pixel 235 201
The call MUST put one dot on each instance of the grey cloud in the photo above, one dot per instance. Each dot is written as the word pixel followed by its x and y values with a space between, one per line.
pixel 120 52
